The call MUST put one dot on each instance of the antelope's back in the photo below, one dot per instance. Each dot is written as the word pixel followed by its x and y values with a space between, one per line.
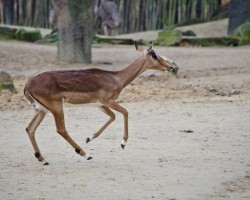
pixel 54 82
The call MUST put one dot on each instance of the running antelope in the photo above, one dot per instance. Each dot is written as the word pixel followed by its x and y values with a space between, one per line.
pixel 47 92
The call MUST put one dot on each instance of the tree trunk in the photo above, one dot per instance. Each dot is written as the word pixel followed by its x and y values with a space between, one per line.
pixel 75 20
pixel 239 12
pixel 9 11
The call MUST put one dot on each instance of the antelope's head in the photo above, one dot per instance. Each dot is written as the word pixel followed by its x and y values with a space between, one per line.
pixel 156 61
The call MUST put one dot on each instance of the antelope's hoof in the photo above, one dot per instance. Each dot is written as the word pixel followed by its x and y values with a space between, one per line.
pixel 88 140
pixel 44 162
pixel 77 150
pixel 123 144
pixel 88 157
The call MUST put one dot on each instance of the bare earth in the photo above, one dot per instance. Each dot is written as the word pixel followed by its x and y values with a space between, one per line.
pixel 189 135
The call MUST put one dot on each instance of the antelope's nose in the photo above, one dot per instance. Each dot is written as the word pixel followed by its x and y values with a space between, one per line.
pixel 173 68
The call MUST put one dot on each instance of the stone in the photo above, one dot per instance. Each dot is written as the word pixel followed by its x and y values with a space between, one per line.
pixel 6 82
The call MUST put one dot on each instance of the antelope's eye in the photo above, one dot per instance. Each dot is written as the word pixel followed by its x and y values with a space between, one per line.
pixel 154 56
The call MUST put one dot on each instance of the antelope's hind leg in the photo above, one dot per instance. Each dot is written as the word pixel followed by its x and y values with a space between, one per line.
pixel 31 129
pixel 107 111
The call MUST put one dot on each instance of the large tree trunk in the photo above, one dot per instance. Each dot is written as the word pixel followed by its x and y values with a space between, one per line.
pixel 239 12
pixel 75 21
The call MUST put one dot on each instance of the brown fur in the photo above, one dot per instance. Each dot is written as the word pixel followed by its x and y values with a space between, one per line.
pixel 51 88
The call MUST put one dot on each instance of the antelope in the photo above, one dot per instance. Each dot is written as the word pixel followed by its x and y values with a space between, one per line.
pixel 49 90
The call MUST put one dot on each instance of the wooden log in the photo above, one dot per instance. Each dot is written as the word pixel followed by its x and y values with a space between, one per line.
pixel 112 40
pixel 209 41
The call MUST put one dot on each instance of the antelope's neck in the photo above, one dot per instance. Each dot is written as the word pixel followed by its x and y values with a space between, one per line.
pixel 128 74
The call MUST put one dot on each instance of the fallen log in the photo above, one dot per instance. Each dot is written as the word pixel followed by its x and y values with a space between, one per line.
pixel 111 40
pixel 209 41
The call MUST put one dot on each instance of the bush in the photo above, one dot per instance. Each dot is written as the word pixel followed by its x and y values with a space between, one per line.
pixel 243 31
pixel 30 36
pixel 169 37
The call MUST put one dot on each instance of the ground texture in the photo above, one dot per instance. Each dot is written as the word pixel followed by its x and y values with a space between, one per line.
pixel 189 135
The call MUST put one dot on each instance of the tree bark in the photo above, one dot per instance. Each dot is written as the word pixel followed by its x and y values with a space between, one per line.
pixel 75 21
pixel 9 11
pixel 239 12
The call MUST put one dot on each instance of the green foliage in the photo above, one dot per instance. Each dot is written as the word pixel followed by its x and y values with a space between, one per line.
pixel 6 82
pixel 52 37
pixel 169 37
pixel 30 36
pixel 135 15
pixel 7 86
pixel 7 33
pixel 243 31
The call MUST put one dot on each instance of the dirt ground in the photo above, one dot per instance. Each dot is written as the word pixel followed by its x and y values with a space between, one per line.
pixel 189 135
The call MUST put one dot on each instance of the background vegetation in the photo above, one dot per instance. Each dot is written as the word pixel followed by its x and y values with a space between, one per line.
pixel 136 15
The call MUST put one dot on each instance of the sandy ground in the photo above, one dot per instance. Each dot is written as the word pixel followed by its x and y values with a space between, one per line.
pixel 189 135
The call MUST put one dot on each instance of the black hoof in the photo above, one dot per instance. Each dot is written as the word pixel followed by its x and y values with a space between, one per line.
pixel 46 163
pixel 37 155
pixel 88 140
pixel 77 150
pixel 89 158
pixel 123 146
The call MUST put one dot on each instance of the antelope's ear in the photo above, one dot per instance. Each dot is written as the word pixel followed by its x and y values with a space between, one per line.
pixel 150 46
pixel 139 47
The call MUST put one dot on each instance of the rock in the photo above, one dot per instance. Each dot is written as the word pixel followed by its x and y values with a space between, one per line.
pixel 6 82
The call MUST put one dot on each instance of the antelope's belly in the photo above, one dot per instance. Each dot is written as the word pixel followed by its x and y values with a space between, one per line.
pixel 81 98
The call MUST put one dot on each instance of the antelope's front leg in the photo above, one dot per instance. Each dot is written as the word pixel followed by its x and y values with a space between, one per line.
pixel 115 106
pixel 107 111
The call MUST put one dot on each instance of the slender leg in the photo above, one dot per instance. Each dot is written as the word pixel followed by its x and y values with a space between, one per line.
pixel 60 125
pixel 107 111
pixel 35 122
pixel 115 106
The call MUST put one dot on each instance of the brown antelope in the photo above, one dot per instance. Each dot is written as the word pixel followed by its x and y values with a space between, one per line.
pixel 49 90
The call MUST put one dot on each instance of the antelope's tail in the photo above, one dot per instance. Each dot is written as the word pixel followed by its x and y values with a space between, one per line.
pixel 29 96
